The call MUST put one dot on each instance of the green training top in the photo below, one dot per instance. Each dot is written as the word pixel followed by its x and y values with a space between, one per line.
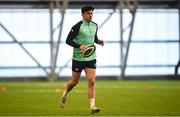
pixel 82 33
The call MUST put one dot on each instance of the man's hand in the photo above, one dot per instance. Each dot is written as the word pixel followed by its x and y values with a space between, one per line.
pixel 83 47
pixel 101 42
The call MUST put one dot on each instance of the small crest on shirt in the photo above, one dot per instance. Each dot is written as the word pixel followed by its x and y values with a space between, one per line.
pixel 76 69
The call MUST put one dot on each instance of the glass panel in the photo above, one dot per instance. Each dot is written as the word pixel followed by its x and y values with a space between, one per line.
pixel 108 55
pixel 156 25
pixel 41 52
pixel 156 53
pixel 150 71
pixel 14 55
pixel 4 36
pixel 27 26
pixel 21 73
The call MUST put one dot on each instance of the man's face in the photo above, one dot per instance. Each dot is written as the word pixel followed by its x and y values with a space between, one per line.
pixel 87 16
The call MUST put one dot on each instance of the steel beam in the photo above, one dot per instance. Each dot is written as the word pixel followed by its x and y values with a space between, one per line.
pixel 107 19
pixel 51 7
pixel 76 4
pixel 125 51
pixel 121 39
pixel 62 11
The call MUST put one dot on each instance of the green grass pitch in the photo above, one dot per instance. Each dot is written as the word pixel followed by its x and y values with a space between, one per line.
pixel 115 98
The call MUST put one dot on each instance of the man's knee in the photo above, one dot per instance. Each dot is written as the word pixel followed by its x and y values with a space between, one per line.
pixel 91 82
pixel 74 83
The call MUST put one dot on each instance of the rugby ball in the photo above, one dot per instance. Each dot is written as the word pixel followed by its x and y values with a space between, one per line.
pixel 89 50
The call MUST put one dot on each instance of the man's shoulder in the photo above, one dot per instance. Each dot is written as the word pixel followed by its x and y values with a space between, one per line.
pixel 77 25
pixel 94 23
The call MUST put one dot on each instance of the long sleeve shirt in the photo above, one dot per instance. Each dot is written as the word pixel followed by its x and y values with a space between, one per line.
pixel 82 33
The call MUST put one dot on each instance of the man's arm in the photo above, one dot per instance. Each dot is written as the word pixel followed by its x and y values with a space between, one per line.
pixel 98 41
pixel 72 34
pixel 96 38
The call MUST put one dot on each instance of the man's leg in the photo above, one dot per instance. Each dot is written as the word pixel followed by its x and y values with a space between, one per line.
pixel 176 68
pixel 70 84
pixel 91 75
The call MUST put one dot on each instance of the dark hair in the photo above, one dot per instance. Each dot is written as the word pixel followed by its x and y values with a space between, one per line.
pixel 87 8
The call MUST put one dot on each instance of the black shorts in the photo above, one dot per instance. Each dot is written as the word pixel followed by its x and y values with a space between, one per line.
pixel 78 66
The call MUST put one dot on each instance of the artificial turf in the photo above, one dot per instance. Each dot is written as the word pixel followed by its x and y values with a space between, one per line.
pixel 115 98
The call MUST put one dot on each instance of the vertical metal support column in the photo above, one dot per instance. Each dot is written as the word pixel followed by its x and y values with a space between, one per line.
pixel 132 10
pixel 62 11
pixel 121 40
pixel 51 31
pixel 52 51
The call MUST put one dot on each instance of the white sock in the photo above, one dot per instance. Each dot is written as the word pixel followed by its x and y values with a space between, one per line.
pixel 65 93
pixel 92 102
